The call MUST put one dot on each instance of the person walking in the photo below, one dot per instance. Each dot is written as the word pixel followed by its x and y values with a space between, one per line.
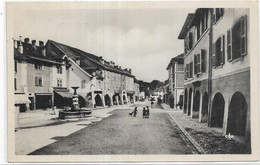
pixel 147 111
pixel 135 111
pixel 144 112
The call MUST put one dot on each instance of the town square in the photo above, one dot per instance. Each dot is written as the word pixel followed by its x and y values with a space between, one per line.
pixel 102 80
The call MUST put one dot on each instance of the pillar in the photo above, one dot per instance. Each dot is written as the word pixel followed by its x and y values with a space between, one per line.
pixel 200 109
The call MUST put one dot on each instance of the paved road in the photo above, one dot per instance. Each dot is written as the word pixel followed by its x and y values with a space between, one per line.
pixel 122 134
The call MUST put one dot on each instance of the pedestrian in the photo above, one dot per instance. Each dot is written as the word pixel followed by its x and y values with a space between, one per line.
pixel 144 112
pixel 152 103
pixel 147 111
pixel 135 111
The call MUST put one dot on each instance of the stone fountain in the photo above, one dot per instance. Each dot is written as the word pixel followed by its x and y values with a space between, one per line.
pixel 75 111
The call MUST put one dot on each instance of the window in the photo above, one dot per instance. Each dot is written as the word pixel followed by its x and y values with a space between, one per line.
pixel 219 52
pixel 203 60
pixel 197 63
pixel 59 83
pixel 38 80
pixel 15 84
pixel 59 69
pixel 217 14
pixel 189 70
pixel 38 66
pixel 237 39
pixel 198 31
pixel 15 66
pixel 83 84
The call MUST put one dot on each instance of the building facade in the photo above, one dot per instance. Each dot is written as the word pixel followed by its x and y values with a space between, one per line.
pixel 176 76
pixel 217 69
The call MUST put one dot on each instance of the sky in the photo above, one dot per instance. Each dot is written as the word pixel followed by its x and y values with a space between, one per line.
pixel 142 38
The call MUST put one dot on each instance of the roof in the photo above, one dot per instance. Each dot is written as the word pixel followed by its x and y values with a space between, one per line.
pixel 178 59
pixel 89 62
pixel 32 53
pixel 185 27
pixel 199 13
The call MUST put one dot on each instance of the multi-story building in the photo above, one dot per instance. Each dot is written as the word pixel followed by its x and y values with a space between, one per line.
pixel 33 73
pixel 176 76
pixel 217 69
pixel 100 83
pixel 166 91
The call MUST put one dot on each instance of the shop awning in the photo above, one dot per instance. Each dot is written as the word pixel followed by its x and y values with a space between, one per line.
pixel 21 99
pixel 65 94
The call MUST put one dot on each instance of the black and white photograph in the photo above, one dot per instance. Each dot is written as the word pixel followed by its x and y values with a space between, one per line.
pixel 132 81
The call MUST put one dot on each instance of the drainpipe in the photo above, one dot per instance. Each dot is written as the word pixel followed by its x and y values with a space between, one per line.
pixel 210 67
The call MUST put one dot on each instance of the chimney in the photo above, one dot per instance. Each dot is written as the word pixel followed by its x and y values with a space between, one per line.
pixel 78 60
pixel 34 44
pixel 116 66
pixel 112 63
pixel 15 43
pixel 101 60
pixel 130 71
pixel 41 44
pixel 26 40
pixel 19 45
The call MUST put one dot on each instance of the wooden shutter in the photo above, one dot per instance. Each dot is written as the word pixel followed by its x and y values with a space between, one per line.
pixel 188 71
pixel 243 41
pixel 222 50
pixel 190 40
pixel 191 69
pixel 203 60
pixel 214 16
pixel 221 12
pixel 229 45
pixel 195 64
pixel 214 55
pixel 36 80
pixel 198 63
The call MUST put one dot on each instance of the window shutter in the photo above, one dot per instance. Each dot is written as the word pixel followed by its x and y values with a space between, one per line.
pixel 195 64
pixel 198 63
pixel 221 12
pixel 222 51
pixel 203 60
pixel 36 81
pixel 214 55
pixel 191 69
pixel 243 41
pixel 214 16
pixel 190 40
pixel 188 71
pixel 229 45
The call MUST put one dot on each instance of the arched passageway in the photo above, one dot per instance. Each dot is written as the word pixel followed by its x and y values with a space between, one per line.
pixel 115 100
pixel 107 100
pixel 237 115
pixel 185 101
pixel 204 111
pixel 196 105
pixel 217 115
pixel 82 102
pixel 124 99
pixel 98 100
pixel 189 103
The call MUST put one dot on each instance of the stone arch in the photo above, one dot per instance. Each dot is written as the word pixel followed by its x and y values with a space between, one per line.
pixel 196 104
pixel 82 101
pixel 124 100
pixel 98 100
pixel 114 100
pixel 185 100
pixel 217 113
pixel 237 115
pixel 189 103
pixel 107 100
pixel 204 111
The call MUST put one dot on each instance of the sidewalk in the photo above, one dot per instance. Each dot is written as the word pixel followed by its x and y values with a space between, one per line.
pixel 38 118
pixel 40 128
pixel 207 140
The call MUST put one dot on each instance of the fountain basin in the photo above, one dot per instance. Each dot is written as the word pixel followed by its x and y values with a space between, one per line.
pixel 70 114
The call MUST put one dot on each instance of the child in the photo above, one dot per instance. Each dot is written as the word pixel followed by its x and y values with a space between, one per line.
pixel 135 111
pixel 147 112
pixel 144 112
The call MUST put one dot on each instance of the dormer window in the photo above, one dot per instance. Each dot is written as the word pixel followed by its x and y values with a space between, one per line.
pixel 38 66
pixel 59 69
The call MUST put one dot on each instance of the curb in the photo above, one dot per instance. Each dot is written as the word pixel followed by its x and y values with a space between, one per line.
pixel 191 140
